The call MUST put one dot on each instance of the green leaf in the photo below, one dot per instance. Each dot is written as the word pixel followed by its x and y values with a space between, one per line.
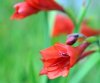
pixel 86 67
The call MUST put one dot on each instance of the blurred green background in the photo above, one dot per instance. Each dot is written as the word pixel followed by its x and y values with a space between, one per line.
pixel 20 43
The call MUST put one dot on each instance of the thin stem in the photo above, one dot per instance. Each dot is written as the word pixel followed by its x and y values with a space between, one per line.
pixel 85 54
pixel 83 46
pixel 98 42
pixel 71 16
pixel 46 30
pixel 81 16
pixel 46 35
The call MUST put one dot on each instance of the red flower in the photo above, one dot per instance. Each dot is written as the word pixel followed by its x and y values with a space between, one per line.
pixel 23 10
pixel 88 31
pixel 63 25
pixel 30 7
pixel 58 59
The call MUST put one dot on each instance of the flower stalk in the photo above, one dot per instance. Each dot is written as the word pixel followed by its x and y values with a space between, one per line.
pixel 82 15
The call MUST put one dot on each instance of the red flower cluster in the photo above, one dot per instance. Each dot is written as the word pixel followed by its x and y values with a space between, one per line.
pixel 64 25
pixel 30 7
pixel 58 59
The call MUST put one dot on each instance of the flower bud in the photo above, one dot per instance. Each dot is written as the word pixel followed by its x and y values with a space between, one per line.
pixel 72 38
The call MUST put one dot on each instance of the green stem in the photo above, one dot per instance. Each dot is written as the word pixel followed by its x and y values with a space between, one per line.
pixel 46 30
pixel 98 42
pixel 46 36
pixel 71 16
pixel 81 16
pixel 32 75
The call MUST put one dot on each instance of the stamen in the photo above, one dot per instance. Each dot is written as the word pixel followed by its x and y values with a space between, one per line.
pixel 64 54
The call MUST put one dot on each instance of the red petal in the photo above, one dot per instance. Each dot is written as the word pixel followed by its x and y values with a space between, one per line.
pixel 45 4
pixel 61 48
pixel 63 25
pixel 49 53
pixel 54 74
pixel 48 62
pixel 73 53
pixel 60 72
pixel 23 10
pixel 62 62
pixel 33 3
pixel 43 71
pixel 65 72
pixel 88 31
pixel 54 51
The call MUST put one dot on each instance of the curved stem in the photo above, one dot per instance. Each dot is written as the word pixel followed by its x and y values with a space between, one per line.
pixel 71 16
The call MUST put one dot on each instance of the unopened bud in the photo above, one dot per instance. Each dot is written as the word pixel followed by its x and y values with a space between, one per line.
pixel 72 38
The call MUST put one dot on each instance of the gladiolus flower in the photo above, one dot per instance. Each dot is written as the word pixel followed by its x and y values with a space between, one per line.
pixel 30 7
pixel 64 25
pixel 23 10
pixel 58 59
pixel 88 31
